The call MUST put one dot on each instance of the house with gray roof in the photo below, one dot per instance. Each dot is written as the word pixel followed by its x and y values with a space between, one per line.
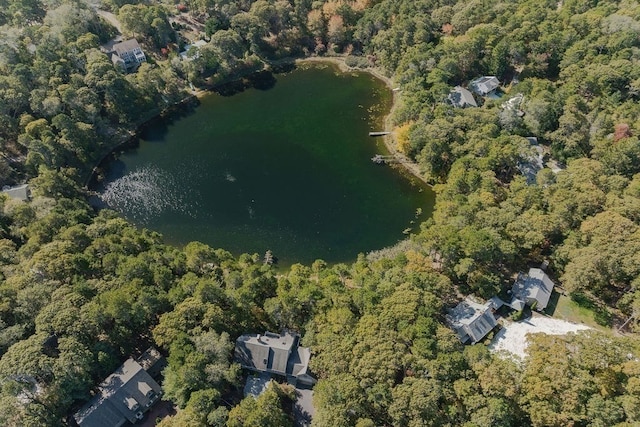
pixel 122 398
pixel 128 55
pixel 186 56
pixel 276 354
pixel 19 192
pixel 471 321
pixel 484 85
pixel 532 288
pixel 461 98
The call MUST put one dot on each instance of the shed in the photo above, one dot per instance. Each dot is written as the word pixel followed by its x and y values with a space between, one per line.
pixel 19 192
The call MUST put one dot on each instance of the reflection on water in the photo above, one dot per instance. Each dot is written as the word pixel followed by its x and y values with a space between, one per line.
pixel 286 169
pixel 147 193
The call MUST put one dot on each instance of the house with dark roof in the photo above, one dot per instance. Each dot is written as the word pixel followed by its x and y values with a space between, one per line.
pixel 128 55
pixel 472 321
pixel 122 398
pixel 484 85
pixel 19 192
pixel 534 288
pixel 461 98
pixel 275 354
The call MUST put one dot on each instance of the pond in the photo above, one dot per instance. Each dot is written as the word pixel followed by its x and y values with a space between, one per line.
pixel 286 169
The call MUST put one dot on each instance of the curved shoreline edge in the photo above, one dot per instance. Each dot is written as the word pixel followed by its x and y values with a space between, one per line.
pixel 406 165
pixel 390 142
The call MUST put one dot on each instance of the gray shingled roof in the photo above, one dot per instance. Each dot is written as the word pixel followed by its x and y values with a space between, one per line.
pixel 19 192
pixel 268 352
pixel 484 85
pixel 471 321
pixel 535 286
pixel 126 46
pixel 130 390
pixel 275 354
pixel 461 97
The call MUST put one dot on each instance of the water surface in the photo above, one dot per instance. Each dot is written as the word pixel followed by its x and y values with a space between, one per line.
pixel 287 169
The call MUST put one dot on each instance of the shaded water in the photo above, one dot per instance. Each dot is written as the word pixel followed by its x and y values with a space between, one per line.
pixel 287 169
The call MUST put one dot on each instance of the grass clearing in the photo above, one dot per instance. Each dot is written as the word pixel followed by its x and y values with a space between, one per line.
pixel 566 308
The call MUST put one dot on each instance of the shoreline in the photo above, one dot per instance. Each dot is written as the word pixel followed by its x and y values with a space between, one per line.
pixel 390 143
pixel 406 165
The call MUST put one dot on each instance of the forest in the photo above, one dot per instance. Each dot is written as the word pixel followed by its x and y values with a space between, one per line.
pixel 381 349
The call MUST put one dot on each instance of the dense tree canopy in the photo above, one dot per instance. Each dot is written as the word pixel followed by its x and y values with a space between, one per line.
pixel 82 290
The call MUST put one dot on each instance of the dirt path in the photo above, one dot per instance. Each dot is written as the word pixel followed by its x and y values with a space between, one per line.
pixel 389 140
pixel 110 18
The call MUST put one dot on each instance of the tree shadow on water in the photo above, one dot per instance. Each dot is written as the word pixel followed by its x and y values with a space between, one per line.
pixel 262 80
pixel 231 88
pixel 156 129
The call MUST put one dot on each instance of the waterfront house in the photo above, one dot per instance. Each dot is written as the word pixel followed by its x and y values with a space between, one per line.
pixel 461 98
pixel 533 289
pixel 275 354
pixel 124 397
pixel 128 55
pixel 484 85
pixel 472 321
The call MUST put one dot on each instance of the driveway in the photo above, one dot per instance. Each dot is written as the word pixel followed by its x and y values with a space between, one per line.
pixel 303 409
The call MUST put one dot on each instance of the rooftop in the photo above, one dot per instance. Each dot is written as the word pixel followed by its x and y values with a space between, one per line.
pixel 472 321
pixel 461 97
pixel 484 85
pixel 19 192
pixel 534 286
pixel 274 354
pixel 126 46
pixel 123 396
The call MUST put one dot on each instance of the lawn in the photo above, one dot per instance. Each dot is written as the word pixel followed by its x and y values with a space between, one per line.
pixel 566 308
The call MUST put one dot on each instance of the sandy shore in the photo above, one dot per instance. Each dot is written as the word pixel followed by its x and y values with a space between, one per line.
pixel 389 140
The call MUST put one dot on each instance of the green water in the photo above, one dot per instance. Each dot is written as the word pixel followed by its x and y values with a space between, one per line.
pixel 287 169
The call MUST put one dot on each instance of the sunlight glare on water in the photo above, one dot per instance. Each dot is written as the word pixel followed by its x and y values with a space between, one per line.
pixel 149 192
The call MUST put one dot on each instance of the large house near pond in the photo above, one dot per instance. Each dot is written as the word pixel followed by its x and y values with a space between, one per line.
pixel 275 354
pixel 125 396
pixel 128 55
pixel 472 321
pixel 533 289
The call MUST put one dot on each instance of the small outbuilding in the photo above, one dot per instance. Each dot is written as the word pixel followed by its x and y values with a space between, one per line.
pixel 19 192
pixel 184 55
pixel 461 98
pixel 534 289
pixel 471 321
